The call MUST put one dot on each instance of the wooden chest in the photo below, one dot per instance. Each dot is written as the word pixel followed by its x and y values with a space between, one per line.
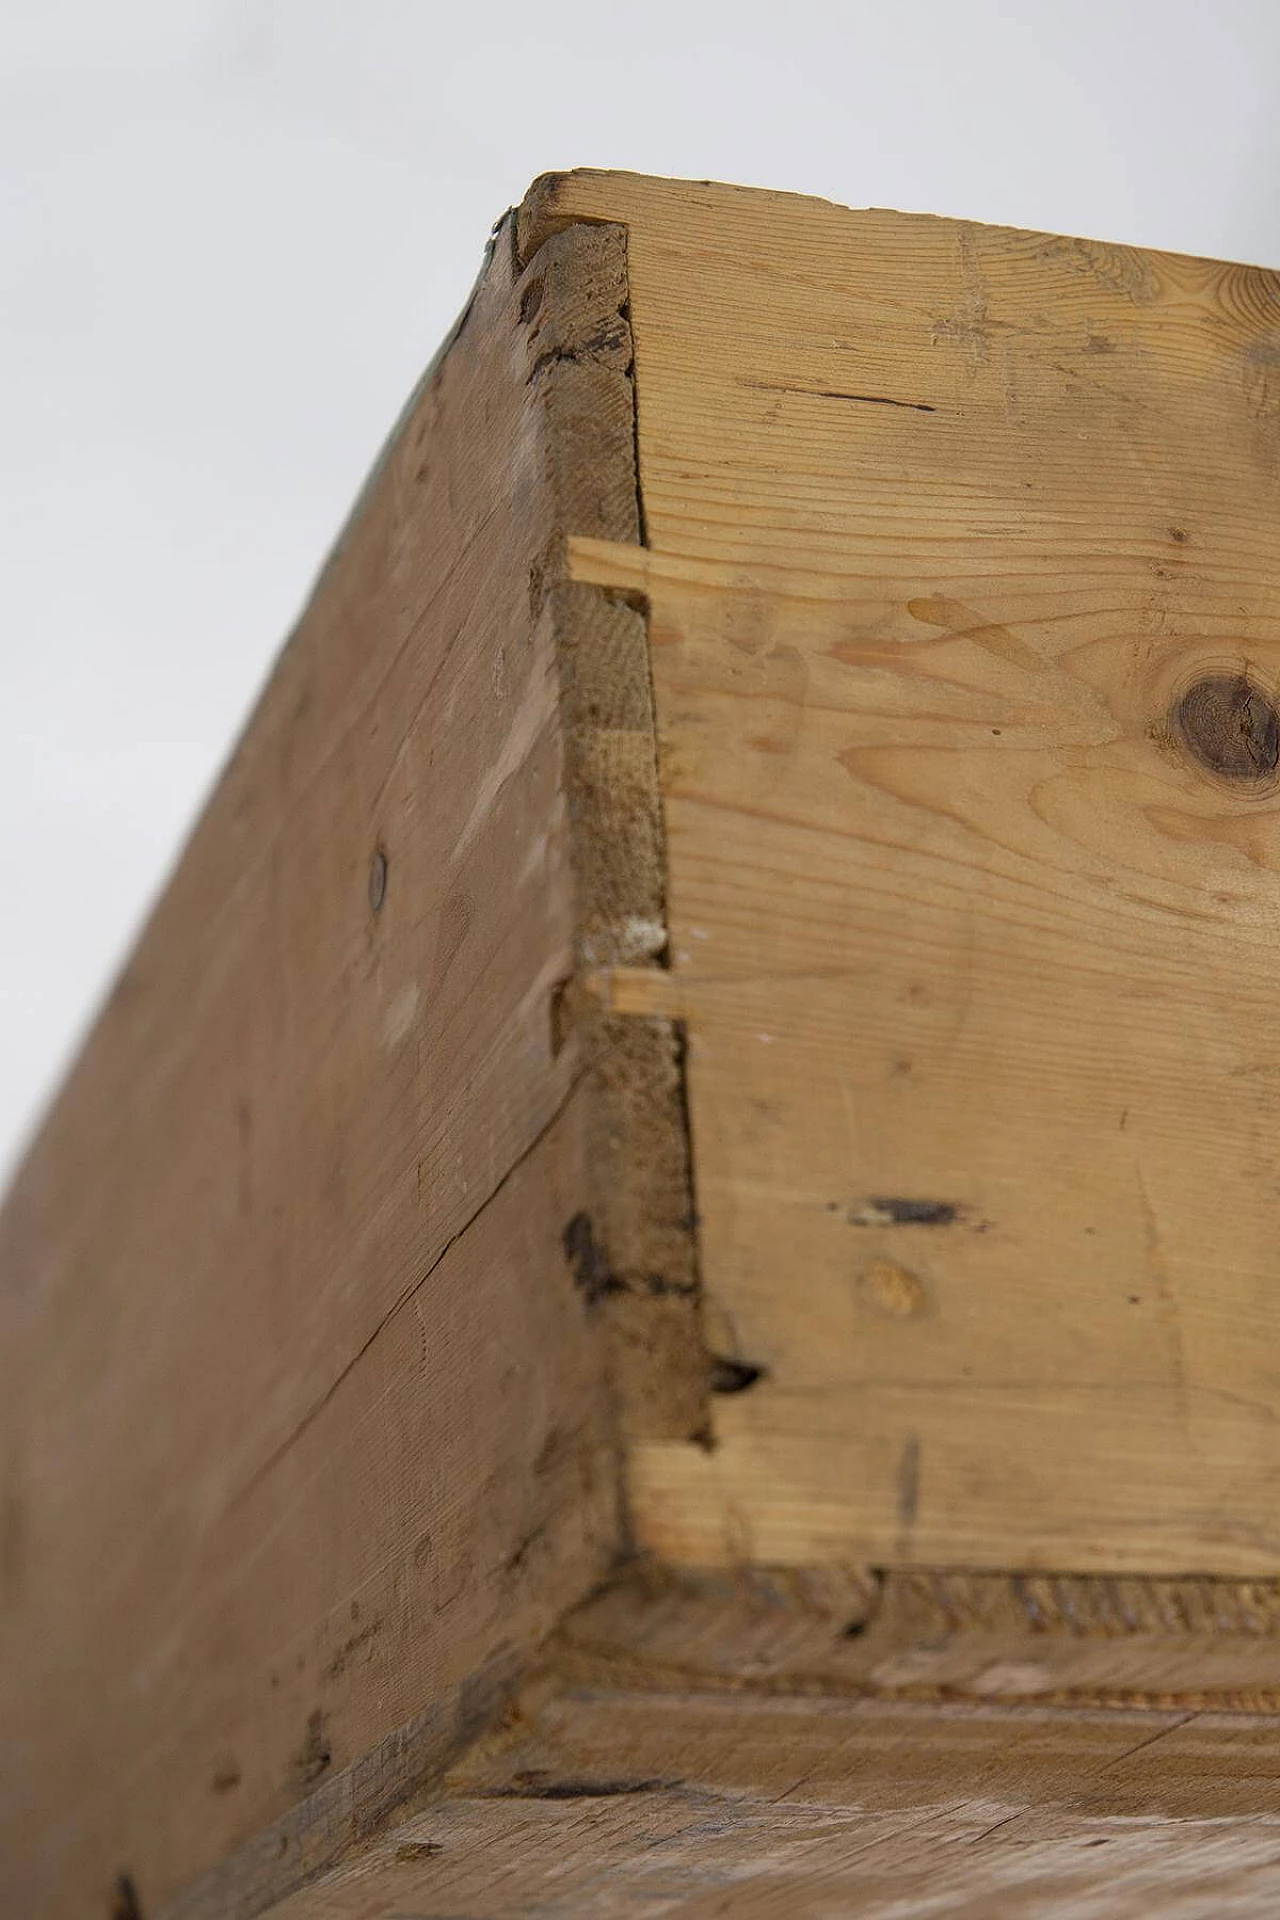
pixel 661 1280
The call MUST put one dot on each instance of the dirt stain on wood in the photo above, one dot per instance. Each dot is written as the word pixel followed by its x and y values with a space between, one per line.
pixel 733 1376
pixel 908 1489
pixel 892 1210
pixel 592 1274
pixel 314 1756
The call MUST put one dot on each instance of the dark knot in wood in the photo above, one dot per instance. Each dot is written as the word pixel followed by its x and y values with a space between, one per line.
pixel 1231 727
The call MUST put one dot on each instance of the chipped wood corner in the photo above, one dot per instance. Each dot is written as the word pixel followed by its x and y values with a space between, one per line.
pixel 543 213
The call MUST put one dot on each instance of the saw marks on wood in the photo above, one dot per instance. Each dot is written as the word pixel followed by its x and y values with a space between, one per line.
pixel 965 628
pixel 1080 1639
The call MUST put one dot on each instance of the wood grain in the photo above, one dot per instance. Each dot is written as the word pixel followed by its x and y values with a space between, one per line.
pixel 635 1247
pixel 307 1435
pixel 626 1806
pixel 1083 1640
pixel 966 646
pixel 895 779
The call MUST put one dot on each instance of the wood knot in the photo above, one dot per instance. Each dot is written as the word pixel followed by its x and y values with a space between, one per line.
pixel 1230 726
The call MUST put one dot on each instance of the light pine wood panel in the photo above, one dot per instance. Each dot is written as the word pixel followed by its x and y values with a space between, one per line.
pixel 965 626
pixel 306 1437
pixel 631 1805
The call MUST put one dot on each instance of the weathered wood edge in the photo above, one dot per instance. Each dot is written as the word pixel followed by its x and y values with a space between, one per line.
pixel 637 1252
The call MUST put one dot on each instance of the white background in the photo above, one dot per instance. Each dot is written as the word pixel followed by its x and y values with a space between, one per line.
pixel 233 231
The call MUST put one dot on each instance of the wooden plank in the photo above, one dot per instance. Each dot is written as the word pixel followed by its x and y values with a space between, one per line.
pixel 623 1805
pixel 1082 1640
pixel 965 639
pixel 307 1431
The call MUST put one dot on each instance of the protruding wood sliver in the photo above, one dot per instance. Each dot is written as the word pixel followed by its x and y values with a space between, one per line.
pixel 677 1209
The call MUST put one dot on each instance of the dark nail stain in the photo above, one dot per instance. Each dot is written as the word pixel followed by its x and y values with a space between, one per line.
pixel 377 881
pixel 483 1698
pixel 314 1756
pixel 733 1376
pixel 537 587
pixel 1231 727
pixel 125 1904
pixel 524 1547
pixel 532 1785
pixel 410 1851
pixel 856 1628
pixel 592 1274
pixel 226 1776
pixel 884 1210
pixel 662 1288
pixel 347 1651
pixel 244 1132
pixel 909 1482
pixel 561 1017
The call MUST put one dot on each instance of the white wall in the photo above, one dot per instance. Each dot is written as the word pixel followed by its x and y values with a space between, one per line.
pixel 232 232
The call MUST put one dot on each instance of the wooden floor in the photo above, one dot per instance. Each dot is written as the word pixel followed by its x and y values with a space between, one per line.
pixel 631 1806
